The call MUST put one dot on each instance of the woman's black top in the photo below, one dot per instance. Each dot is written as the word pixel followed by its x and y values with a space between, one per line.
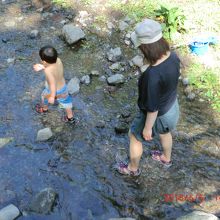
pixel 157 86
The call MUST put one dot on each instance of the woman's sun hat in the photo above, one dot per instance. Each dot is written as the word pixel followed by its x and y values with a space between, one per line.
pixel 146 32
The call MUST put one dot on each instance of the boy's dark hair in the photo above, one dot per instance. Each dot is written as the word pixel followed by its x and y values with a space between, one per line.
pixel 48 54
pixel 155 51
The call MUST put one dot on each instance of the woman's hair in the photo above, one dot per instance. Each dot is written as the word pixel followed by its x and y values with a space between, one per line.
pixel 153 52
pixel 48 54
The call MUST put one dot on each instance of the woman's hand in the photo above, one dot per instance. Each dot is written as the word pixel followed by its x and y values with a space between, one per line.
pixel 38 67
pixel 147 134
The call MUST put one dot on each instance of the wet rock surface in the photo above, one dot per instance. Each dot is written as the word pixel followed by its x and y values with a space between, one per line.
pixel 78 161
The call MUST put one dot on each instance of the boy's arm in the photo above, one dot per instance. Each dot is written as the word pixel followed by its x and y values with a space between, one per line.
pixel 38 67
pixel 52 85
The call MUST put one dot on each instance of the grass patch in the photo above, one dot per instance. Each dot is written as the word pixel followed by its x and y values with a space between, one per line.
pixel 206 82
pixel 134 9
pixel 62 3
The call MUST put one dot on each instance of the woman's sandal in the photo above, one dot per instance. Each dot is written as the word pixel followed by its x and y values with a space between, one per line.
pixel 156 155
pixel 39 109
pixel 122 168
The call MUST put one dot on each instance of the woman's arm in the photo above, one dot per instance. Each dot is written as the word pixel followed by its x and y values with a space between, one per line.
pixel 150 119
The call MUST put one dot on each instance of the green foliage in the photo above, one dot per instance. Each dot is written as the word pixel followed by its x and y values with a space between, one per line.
pixel 135 9
pixel 62 3
pixel 207 82
pixel 172 20
pixel 87 2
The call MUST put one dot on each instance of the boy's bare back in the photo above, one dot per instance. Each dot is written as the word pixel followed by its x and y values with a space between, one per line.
pixel 55 71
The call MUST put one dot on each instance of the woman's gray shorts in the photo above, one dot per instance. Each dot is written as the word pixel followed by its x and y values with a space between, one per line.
pixel 163 124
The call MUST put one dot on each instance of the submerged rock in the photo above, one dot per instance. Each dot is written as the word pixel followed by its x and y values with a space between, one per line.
pixel 10 212
pixel 44 134
pixel 44 201
pixel 121 127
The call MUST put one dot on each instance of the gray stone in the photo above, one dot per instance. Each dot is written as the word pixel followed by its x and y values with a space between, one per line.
pixel 44 134
pixel 114 54
pixel 198 215
pixel 73 86
pixel 44 201
pixel 72 34
pixel 110 25
pixel 123 25
pixel 85 79
pixel 191 96
pixel 127 42
pixel 102 78
pixel 116 79
pixel 115 66
pixel 185 81
pixel 138 61
pixel 34 34
pixel 9 212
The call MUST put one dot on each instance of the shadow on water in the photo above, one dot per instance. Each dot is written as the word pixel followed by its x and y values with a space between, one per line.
pixel 78 161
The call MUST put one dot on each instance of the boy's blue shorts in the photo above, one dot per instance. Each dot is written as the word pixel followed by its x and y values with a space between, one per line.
pixel 65 102
pixel 163 124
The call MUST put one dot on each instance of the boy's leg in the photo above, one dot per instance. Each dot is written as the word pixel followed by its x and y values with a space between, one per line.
pixel 69 113
pixel 166 142
pixel 136 151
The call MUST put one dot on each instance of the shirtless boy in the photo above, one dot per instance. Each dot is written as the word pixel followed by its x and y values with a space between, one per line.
pixel 55 86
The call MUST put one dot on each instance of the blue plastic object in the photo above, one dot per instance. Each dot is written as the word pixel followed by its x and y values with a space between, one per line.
pixel 200 45
pixel 199 48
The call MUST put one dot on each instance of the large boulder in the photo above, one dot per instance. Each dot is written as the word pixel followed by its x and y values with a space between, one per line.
pixel 72 34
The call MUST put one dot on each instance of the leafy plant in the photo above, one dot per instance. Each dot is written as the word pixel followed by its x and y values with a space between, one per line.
pixel 172 20
pixel 207 82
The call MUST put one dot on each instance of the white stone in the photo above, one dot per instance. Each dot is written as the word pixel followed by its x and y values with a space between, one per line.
pixel 44 134
pixel 9 212
pixel 95 73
